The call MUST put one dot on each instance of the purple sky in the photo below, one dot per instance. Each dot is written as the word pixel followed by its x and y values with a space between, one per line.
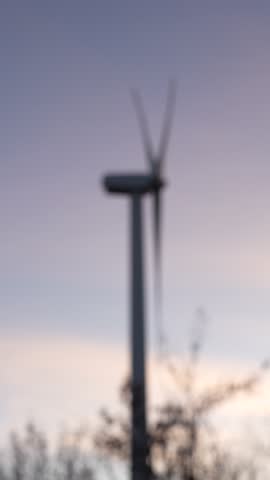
pixel 66 118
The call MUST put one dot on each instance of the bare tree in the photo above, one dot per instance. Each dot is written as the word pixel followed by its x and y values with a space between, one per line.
pixel 29 457
pixel 183 446
pixel 73 458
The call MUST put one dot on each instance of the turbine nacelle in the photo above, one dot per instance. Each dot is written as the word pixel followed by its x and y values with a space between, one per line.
pixel 151 182
pixel 133 184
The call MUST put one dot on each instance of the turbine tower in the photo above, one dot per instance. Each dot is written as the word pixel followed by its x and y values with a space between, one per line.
pixel 136 186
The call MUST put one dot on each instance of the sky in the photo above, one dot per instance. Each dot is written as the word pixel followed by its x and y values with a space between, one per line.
pixel 66 119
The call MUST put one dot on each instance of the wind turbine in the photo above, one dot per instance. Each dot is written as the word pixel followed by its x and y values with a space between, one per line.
pixel 136 186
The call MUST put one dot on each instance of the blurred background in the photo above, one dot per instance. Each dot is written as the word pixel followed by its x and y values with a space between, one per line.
pixel 66 119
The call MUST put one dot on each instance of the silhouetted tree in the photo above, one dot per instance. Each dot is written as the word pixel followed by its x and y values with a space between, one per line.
pixel 29 459
pixel 182 445
pixel 73 458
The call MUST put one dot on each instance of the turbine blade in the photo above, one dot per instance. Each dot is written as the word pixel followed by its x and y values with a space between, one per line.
pixel 167 125
pixel 143 125
pixel 157 218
